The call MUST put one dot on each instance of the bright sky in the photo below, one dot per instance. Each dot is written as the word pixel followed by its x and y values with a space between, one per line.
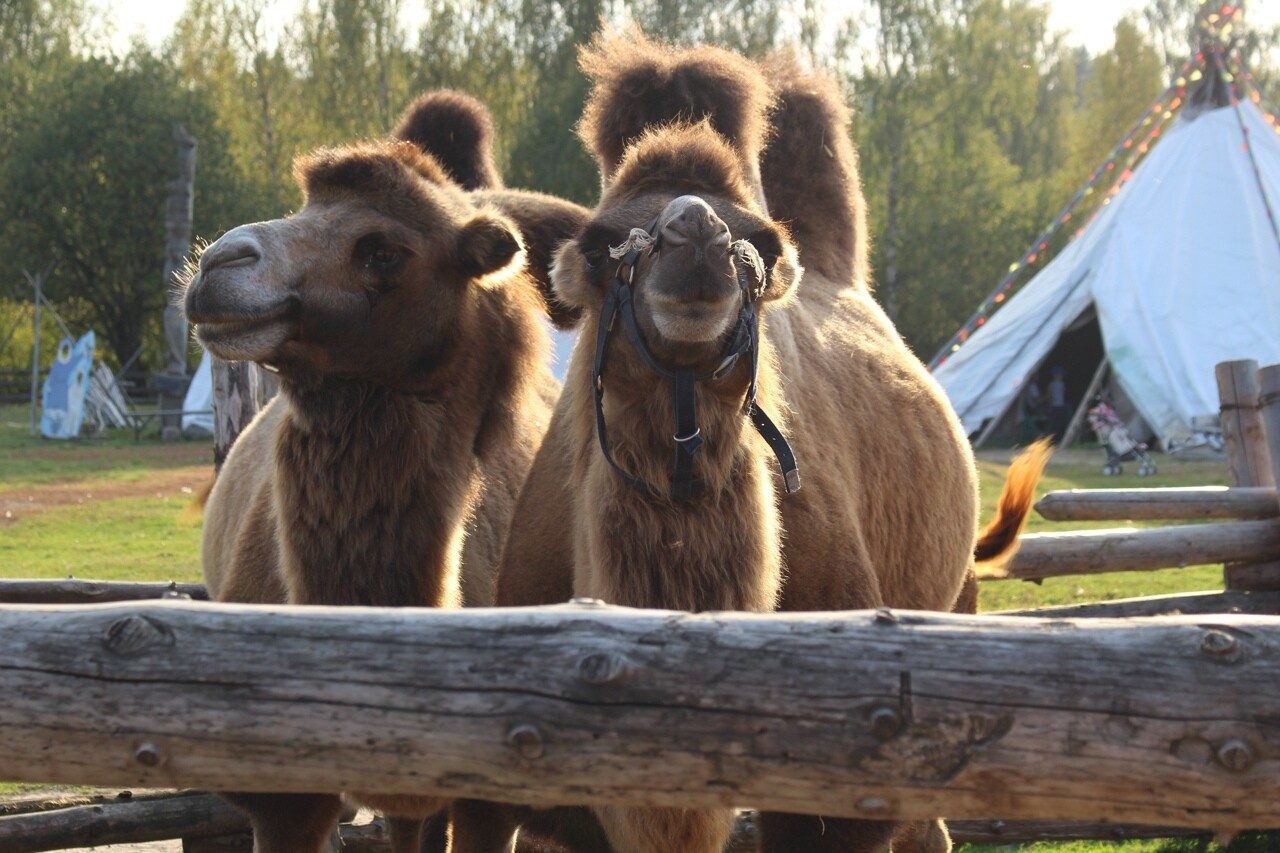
pixel 1089 22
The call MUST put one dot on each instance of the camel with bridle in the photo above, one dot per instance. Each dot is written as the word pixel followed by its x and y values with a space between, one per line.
pixel 730 436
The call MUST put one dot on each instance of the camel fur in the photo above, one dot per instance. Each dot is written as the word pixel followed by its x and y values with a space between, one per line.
pixel 385 473
pixel 887 515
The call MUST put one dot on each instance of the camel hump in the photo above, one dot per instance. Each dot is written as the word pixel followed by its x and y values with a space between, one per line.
pixel 457 130
pixel 639 84
pixel 810 171
pixel 998 542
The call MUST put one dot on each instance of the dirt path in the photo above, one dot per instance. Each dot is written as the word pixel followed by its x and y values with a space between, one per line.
pixel 26 501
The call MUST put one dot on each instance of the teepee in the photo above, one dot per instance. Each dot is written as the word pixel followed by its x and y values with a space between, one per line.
pixel 1177 270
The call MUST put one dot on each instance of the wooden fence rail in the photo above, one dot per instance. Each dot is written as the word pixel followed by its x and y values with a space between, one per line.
pixel 867 714
pixel 1159 504
pixel 205 823
pixel 1088 552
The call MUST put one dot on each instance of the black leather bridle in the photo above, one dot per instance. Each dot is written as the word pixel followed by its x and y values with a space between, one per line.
pixel 745 341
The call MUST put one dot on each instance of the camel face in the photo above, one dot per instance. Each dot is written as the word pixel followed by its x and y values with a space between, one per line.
pixel 689 286
pixel 367 280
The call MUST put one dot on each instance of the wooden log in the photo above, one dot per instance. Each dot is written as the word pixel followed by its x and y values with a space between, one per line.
pixel 863 714
pixel 1159 504
pixel 1264 603
pixel 362 838
pixel 158 819
pixel 1128 549
pixel 79 591
pixel 31 803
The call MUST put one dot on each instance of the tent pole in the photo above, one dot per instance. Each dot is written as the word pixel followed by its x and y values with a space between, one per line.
pixel 1077 420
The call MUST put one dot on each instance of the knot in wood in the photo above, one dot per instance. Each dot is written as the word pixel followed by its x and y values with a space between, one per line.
pixel 527 740
pixel 1236 755
pixel 133 635
pixel 885 721
pixel 603 668
pixel 872 805
pixel 1217 643
pixel 148 755
pixel 885 616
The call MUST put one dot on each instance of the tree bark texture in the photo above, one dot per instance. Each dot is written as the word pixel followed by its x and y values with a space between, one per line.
pixel 885 715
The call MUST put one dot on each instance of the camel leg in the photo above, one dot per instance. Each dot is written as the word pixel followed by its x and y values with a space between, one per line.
pixel 289 823
pixel 405 834
pixel 923 836
pixel 436 835
pixel 649 830
pixel 481 827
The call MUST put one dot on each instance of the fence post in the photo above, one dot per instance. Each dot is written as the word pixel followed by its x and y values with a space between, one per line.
pixel 1248 456
pixel 1269 414
pixel 240 390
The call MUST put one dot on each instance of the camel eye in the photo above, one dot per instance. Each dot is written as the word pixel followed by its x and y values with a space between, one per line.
pixel 594 257
pixel 376 255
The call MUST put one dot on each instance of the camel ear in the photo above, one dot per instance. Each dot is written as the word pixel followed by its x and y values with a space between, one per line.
pixel 569 283
pixel 486 245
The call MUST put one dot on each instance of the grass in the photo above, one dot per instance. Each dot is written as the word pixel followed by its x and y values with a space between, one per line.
pixel 111 510
pixel 102 508
pixel 1081 468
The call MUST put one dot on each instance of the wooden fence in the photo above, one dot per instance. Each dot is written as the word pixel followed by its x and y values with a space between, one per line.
pixel 1011 724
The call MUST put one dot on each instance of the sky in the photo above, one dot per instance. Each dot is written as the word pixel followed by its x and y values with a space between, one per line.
pixel 1089 22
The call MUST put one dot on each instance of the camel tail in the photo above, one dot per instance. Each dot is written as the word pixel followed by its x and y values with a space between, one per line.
pixel 457 130
pixel 194 510
pixel 998 542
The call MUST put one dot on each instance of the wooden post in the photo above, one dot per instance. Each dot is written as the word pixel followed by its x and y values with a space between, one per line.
pixel 172 380
pixel 1082 411
pixel 240 390
pixel 1269 414
pixel 1247 456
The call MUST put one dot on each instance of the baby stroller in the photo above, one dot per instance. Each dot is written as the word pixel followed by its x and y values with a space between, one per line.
pixel 1115 439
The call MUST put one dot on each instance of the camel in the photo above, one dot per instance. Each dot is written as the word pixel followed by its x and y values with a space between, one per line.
pixel 386 471
pixel 658 466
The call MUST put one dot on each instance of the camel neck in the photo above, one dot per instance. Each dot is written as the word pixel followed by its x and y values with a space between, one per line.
pixel 373 495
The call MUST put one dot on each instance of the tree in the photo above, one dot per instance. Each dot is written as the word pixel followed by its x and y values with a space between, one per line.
pixel 85 184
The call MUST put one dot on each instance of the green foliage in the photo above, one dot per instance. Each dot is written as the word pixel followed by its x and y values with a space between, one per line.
pixel 85 184
pixel 975 123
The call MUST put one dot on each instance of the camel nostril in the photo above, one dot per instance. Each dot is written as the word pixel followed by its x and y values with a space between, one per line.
pixel 689 219
pixel 239 252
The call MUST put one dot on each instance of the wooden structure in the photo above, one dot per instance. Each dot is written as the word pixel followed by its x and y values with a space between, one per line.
pixel 1162 728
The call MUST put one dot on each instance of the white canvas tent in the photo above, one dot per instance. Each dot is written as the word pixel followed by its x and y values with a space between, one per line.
pixel 1181 269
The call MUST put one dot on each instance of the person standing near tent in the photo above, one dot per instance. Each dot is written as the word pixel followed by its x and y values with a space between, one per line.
pixel 1059 414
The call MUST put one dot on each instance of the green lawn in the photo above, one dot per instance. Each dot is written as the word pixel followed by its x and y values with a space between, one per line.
pixel 104 508
pixel 107 508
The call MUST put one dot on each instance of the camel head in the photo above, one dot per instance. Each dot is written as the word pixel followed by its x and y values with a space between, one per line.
pixel 370 280
pixel 680 225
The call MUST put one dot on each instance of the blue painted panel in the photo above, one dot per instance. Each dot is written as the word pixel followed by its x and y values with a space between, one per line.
pixel 66 387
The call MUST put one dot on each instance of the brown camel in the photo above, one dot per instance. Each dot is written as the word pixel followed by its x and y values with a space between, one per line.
pixel 386 471
pixel 659 469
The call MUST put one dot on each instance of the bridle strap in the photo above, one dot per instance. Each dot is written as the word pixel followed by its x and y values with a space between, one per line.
pixel 688 437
